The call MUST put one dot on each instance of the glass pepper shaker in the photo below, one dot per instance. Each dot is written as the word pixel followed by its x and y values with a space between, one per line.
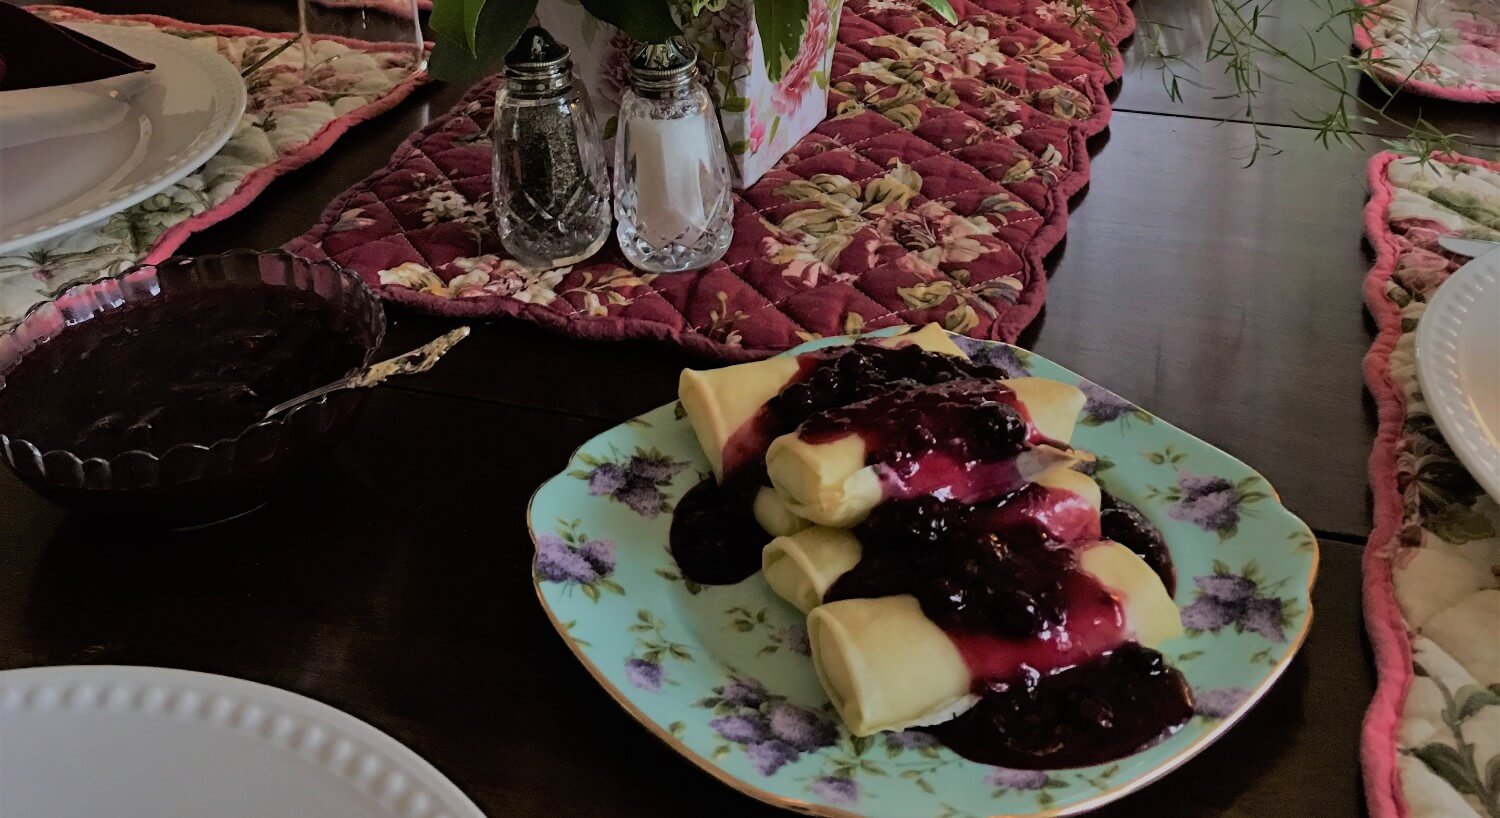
pixel 673 205
pixel 550 181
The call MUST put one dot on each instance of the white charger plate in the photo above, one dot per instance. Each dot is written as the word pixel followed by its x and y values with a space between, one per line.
pixel 183 112
pixel 1458 366
pixel 142 742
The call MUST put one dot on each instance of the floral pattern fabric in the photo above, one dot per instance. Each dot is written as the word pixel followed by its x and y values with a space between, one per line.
pixel 932 192
pixel 1432 566
pixel 289 120
pixel 1442 48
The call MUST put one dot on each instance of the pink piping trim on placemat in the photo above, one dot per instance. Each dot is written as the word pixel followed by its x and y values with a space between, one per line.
pixel 1383 619
pixel 1366 43
pixel 220 29
pixel 256 181
pixel 1021 314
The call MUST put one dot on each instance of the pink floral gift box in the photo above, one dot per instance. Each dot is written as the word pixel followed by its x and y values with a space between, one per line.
pixel 762 118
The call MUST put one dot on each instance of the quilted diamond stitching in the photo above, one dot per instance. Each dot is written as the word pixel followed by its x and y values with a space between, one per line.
pixel 1077 65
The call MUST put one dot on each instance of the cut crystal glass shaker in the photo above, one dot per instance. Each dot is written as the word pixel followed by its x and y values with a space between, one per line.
pixel 673 205
pixel 550 180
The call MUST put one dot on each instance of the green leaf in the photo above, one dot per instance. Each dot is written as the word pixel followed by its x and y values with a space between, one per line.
pixel 944 10
pixel 861 744
pixel 820 78
pixel 1492 775
pixel 1470 699
pixel 675 727
pixel 780 23
pixel 925 787
pixel 735 105
pixel 471 12
pixel 1448 765
pixel 739 148
pixel 473 36
pixel 645 20
pixel 678 411
pixel 743 626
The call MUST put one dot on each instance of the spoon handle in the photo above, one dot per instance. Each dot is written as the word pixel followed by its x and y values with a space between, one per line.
pixel 418 360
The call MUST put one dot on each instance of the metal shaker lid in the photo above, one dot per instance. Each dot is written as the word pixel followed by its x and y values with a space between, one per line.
pixel 657 68
pixel 539 63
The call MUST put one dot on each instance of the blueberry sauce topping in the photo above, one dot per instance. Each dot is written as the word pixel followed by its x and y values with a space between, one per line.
pixel 701 540
pixel 1095 712
pixel 839 376
pixel 1126 525
pixel 715 538
pixel 192 367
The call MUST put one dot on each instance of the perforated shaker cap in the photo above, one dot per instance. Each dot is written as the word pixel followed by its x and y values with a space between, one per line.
pixel 538 62
pixel 656 68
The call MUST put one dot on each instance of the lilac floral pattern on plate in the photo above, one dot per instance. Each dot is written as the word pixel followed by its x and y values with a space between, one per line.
pixel 637 480
pixel 1213 503
pixel 1239 600
pixel 570 558
pixel 721 672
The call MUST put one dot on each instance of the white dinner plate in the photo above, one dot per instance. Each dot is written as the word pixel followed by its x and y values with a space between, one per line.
pixel 142 742
pixel 169 124
pixel 1458 366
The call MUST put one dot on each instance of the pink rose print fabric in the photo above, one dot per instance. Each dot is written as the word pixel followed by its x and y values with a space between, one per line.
pixel 931 193
pixel 1432 592
pixel 1441 48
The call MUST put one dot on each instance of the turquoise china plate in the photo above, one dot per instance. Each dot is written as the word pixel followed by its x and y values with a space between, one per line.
pixel 721 673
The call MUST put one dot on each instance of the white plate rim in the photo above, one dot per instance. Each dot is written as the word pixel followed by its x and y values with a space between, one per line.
pixel 1440 361
pixel 229 96
pixel 164 692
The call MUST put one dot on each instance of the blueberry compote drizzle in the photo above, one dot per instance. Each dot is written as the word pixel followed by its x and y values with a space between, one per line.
pixel 955 440
pixel 1059 686
pixel 1095 712
pixel 714 537
pixel 838 376
pixel 191 367
pixel 1126 525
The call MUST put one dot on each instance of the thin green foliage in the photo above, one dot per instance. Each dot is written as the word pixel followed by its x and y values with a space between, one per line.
pixel 1240 44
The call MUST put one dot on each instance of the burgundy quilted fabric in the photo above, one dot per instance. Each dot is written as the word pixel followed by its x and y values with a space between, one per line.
pixel 932 193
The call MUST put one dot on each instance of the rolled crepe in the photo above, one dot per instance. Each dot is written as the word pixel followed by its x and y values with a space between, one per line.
pixel 773 515
pixel 886 666
pixel 801 566
pixel 830 484
pixel 719 402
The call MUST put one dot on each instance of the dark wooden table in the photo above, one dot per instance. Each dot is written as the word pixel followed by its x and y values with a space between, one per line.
pixel 394 582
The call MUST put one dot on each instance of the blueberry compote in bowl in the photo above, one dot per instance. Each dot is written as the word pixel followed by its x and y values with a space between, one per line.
pixel 140 398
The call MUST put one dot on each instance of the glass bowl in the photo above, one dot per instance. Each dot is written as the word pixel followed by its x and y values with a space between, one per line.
pixel 190 484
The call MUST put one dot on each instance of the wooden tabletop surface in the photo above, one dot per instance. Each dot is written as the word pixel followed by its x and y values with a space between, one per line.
pixel 394 582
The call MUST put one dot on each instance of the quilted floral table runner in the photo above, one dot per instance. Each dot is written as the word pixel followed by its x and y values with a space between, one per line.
pixel 932 192
pixel 289 120
pixel 1441 48
pixel 1432 567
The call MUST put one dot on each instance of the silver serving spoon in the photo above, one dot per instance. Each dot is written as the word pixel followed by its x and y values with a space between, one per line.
pixel 420 359
pixel 1473 248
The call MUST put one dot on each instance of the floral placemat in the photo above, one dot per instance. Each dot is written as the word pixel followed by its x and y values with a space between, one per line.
pixel 288 122
pixel 931 194
pixel 1442 48
pixel 1431 743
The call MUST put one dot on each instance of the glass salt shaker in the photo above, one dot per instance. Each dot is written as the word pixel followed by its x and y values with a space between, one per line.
pixel 550 180
pixel 673 205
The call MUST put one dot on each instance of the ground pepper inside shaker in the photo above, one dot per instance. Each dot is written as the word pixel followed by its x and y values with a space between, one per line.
pixel 551 188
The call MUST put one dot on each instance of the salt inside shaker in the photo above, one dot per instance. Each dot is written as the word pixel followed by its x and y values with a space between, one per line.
pixel 673 203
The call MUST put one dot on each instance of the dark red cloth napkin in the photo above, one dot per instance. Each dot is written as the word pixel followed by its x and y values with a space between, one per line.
pixel 35 53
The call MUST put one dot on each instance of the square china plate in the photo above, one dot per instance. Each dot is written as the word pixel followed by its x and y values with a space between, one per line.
pixel 722 675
